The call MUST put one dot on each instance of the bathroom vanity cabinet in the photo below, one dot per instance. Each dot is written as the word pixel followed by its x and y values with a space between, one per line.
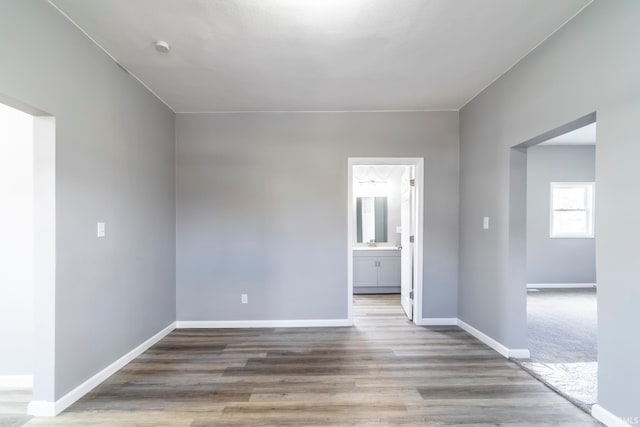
pixel 376 270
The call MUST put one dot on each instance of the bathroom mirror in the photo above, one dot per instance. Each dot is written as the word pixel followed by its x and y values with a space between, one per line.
pixel 371 214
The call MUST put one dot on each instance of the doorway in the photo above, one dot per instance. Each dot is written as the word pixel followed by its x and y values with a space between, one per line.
pixel 16 255
pixel 28 147
pixel 559 260
pixel 385 217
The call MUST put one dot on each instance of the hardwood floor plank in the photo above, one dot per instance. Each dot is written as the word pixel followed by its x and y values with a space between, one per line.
pixel 384 371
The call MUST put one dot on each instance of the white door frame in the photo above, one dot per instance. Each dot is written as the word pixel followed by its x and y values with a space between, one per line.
pixel 418 163
pixel 44 257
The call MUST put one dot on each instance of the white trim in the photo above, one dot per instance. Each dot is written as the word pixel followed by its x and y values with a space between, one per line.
pixel 350 231
pixel 50 409
pixel 418 163
pixel 607 418
pixel 560 285
pixel 417 110
pixel 41 408
pixel 518 353
pixel 239 324
pixel 418 262
pixel 16 381
pixel 438 321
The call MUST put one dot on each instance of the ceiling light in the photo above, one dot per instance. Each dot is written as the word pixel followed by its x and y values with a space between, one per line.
pixel 162 46
pixel 325 14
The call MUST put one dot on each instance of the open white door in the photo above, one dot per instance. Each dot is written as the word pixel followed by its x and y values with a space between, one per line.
pixel 406 253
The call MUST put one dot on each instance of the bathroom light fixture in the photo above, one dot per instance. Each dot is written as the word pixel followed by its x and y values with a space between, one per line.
pixel 162 46
pixel 372 182
pixel 372 188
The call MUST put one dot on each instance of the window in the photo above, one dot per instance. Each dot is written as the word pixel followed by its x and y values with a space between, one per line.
pixel 572 209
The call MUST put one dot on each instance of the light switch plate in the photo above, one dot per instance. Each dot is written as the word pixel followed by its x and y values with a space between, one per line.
pixel 101 230
pixel 485 223
pixel 244 298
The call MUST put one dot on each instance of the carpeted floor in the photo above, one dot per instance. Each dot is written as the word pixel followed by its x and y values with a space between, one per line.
pixel 562 326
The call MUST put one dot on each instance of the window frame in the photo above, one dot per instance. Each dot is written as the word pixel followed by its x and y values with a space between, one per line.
pixel 590 210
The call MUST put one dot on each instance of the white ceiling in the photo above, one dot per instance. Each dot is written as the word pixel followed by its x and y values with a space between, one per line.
pixel 318 55
pixel 585 135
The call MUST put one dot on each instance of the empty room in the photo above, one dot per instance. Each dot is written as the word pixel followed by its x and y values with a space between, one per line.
pixel 561 267
pixel 300 212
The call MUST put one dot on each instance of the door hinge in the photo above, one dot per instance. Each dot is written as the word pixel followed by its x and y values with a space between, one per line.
pixel 412 182
pixel 412 239
pixel 410 294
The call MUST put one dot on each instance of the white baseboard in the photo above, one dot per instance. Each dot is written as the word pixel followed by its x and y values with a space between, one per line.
pixel 50 409
pixel 16 381
pixel 518 353
pixel 234 324
pixel 608 419
pixel 560 285
pixel 42 408
pixel 438 321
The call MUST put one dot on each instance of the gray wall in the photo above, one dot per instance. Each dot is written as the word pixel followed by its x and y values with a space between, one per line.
pixel 114 163
pixel 16 242
pixel 262 209
pixel 592 64
pixel 557 260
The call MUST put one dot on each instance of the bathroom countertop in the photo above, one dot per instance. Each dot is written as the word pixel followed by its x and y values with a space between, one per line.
pixel 375 248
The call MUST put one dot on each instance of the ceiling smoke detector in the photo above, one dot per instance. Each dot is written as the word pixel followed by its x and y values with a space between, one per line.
pixel 162 46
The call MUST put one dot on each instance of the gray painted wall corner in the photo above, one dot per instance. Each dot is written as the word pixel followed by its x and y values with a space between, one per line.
pixel 588 65
pixel 114 153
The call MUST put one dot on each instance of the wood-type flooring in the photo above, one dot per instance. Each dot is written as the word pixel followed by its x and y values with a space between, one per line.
pixel 383 371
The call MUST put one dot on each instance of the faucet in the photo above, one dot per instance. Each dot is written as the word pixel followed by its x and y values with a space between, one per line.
pixel 372 243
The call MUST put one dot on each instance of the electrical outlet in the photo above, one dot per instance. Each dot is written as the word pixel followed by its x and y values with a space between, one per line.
pixel 485 223
pixel 245 298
